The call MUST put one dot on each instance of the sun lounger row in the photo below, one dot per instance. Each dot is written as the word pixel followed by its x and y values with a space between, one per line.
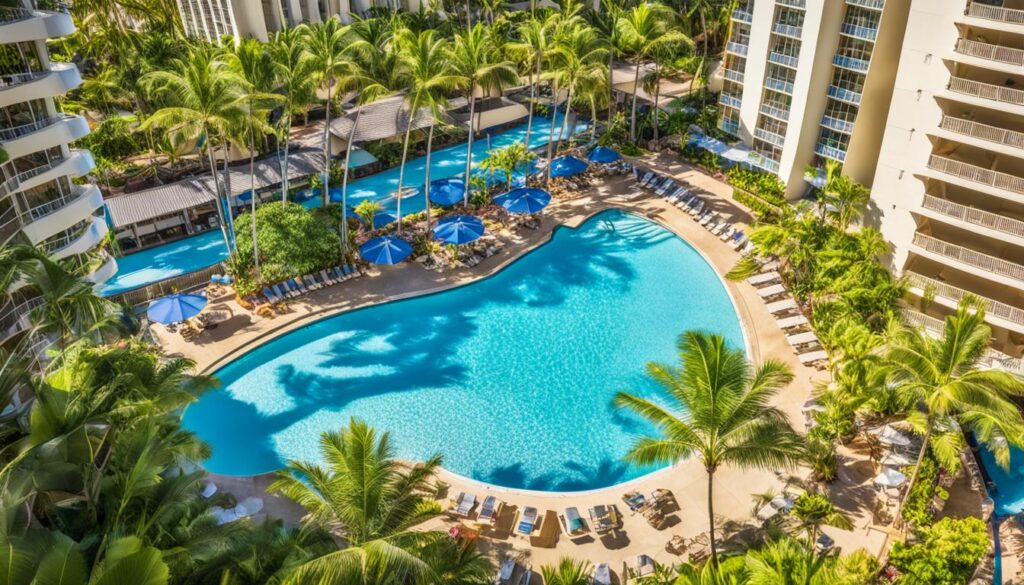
pixel 301 285
pixel 784 308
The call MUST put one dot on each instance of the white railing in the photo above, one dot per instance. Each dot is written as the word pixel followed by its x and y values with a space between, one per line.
pixel 13 316
pixel 864 33
pixel 733 75
pixel 730 100
pixel 1011 15
pixel 942 289
pixel 9 224
pixel 987 90
pixel 832 152
pixel 851 63
pixel 869 4
pixel 60 202
pixel 23 176
pixel 793 3
pixel 775 112
pixel 990 52
pixel 844 126
pixel 769 136
pixel 994 358
pixel 976 174
pixel 741 15
pixel 983 131
pixel 970 257
pixel 788 30
pixel 19 78
pixel 15 132
pixel 975 216
pixel 736 48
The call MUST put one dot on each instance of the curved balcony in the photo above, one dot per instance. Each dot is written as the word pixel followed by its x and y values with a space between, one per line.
pixel 976 175
pixel 76 164
pixel 23 24
pixel 53 217
pixel 769 136
pixel 105 272
pixel 14 317
pixel 58 80
pixel 972 218
pixel 80 242
pixel 989 52
pixel 42 134
pixel 970 259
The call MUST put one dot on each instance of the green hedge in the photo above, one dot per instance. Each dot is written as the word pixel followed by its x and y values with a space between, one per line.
pixel 917 510
pixel 760 207
pixel 946 553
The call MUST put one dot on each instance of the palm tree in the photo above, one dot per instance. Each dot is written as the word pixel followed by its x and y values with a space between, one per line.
pixel 476 62
pixel 814 511
pixel 645 30
pixel 535 43
pixel 720 411
pixel 942 382
pixel 606 21
pixel 366 498
pixel 790 562
pixel 207 102
pixel 69 309
pixel 294 71
pixel 568 571
pixel 578 61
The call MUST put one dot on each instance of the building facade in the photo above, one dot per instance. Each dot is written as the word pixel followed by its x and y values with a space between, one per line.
pixel 810 80
pixel 948 192
pixel 43 199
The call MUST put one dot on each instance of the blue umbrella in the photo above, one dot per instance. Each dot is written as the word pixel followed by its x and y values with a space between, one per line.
pixel 447 191
pixel 603 154
pixel 524 200
pixel 383 218
pixel 385 250
pixel 567 166
pixel 175 308
pixel 459 229
pixel 245 196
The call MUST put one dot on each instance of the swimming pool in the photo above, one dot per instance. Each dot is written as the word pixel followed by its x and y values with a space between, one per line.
pixel 1009 493
pixel 510 378
pixel 203 250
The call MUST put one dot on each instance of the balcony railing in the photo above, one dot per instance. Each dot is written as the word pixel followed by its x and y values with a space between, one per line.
pixel 18 78
pixel 832 152
pixel 976 174
pixel 975 216
pixel 991 52
pixel 864 33
pixel 987 90
pixel 844 126
pixel 788 30
pixel 983 131
pixel 736 48
pixel 23 176
pixel 740 15
pixel 730 100
pixel 733 75
pixel 775 112
pixel 845 95
pixel 8 14
pixel 851 63
pixel 942 289
pixel 730 126
pixel 970 257
pixel 869 4
pixel 769 136
pixel 13 315
pixel 15 132
pixel 55 204
pixel 1010 15
pixel 783 59
pixel 779 85
pixel 802 4
pixel 9 224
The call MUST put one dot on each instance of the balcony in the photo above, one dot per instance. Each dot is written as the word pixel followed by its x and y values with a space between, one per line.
pixel 731 100
pixel 46 20
pixel 736 48
pixel 78 241
pixel 733 75
pixel 956 294
pixel 765 163
pixel 78 163
pixel 851 63
pixel 990 52
pixel 864 33
pixel 14 317
pixel 832 152
pixel 801 4
pixel 59 214
pixel 976 174
pixel 23 87
pixel 844 126
pixel 869 4
pixel 775 112
pixel 974 216
pixel 769 136
pixel 779 85
pixel 988 91
pixel 783 59
pixel 740 15
pixel 42 134
pixel 787 30
pixel 996 13
pixel 969 257
pixel 973 129
pixel 730 127
pixel 844 95
pixel 993 358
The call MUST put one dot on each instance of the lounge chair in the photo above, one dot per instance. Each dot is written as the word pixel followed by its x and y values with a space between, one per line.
pixel 283 291
pixel 573 522
pixel 665 187
pixel 813 357
pixel 746 248
pixel 698 208
pixel 354 270
pixel 602 575
pixel 505 571
pixel 645 179
pixel 295 284
pixel 488 510
pixel 721 228
pixel 727 234
pixel 526 576
pixel 781 306
pixel 739 239
pixel 273 298
pixel 603 518
pixel 527 521
pixel 802 338
pixel 310 282
pixel 791 322
pixel 464 504
pixel 209 488
pixel 338 274
pixel 635 500
pixel 327 278
pixel 644 566
pixel 771 291
pixel 678 193
pixel 763 278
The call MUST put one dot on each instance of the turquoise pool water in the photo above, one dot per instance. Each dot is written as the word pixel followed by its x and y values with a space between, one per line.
pixel 510 378
pixel 203 250
pixel 1009 493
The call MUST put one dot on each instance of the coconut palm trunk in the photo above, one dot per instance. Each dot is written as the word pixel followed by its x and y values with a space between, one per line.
pixel 284 165
pixel 426 175
pixel 534 80
pixel 226 181
pixel 252 207
pixel 344 180
pixel 325 196
pixel 711 516
pixel 551 129
pixel 401 168
pixel 565 119
pixel 916 472
pixel 219 190
pixel 632 115
pixel 657 95
pixel 469 141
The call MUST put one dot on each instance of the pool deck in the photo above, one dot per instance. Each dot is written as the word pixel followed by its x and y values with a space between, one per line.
pixel 734 489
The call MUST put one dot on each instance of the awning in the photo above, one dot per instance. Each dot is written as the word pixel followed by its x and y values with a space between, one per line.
pixel 359 158
pixel 386 118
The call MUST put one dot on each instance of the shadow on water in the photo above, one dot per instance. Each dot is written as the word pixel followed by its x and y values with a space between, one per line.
pixel 411 345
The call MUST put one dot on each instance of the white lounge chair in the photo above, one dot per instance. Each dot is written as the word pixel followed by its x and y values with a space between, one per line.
pixel 739 239
pixel 791 322
pixel 488 510
pixel 708 218
pixel 504 576
pixel 763 278
pixel 728 234
pixel 663 189
pixel 781 306
pixel 464 504
pixel 770 266
pixel 721 227
pixel 645 179
pixel 812 357
pixel 602 575
pixel 802 338
pixel 771 291
pixel 528 520
pixel 209 488
pixel 249 507
pixel 574 524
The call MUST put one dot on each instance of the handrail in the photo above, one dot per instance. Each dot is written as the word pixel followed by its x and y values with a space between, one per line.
pixel 843 94
pixel 56 204
pixel 830 152
pixel 996 358
pixel 783 59
pixel 733 75
pixel 851 63
pixel 837 124
pixel 769 136
pixel 971 257
pixel 16 131
pixel 987 90
pixel 943 289
pixel 737 48
pixel 14 79
pixel 988 12
pixel 864 33
pixel 730 100
pixel 983 131
pixel 869 4
pixel 975 216
pixel 990 51
pixel 741 15
pixel 779 85
pixel 976 173
pixel 182 282
pixel 775 112
pixel 13 313
pixel 788 30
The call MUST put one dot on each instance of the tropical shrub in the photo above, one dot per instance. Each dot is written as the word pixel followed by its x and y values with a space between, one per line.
pixel 115 138
pixel 292 241
pixel 506 161
pixel 760 207
pixel 917 510
pixel 857 568
pixel 945 554
pixel 366 209
pixel 765 185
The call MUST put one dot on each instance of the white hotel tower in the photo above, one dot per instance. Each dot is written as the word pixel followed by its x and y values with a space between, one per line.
pixel 42 200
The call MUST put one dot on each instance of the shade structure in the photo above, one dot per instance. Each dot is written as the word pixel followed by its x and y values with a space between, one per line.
pixel 897 459
pixel 447 191
pixel 890 478
pixel 567 166
pixel 890 436
pixel 603 154
pixel 383 218
pixel 524 200
pixel 459 229
pixel 385 250
pixel 175 308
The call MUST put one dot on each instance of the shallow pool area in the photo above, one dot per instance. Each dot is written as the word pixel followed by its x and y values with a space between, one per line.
pixel 203 250
pixel 510 378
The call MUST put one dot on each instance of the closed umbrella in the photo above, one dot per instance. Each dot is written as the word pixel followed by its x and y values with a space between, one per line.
pixel 603 155
pixel 567 166
pixel 890 478
pixel 385 250
pixel 459 229
pixel 175 308
pixel 524 200
pixel 447 191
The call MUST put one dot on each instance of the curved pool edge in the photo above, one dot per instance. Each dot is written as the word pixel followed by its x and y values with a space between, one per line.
pixel 572 222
